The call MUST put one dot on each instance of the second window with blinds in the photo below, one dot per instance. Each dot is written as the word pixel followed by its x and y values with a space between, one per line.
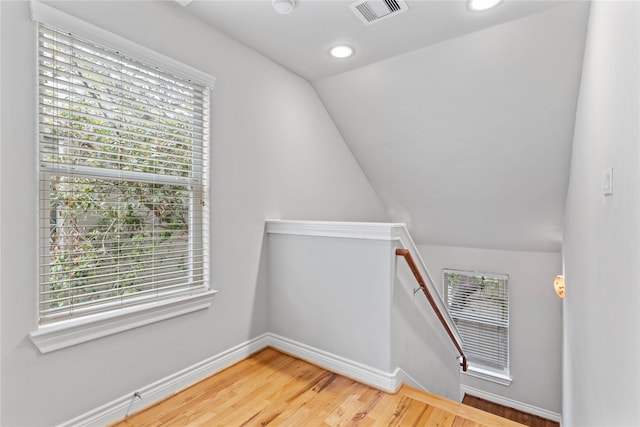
pixel 479 305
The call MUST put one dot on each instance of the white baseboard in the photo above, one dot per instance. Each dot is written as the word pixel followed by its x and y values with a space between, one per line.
pixel 524 407
pixel 387 381
pixel 404 377
pixel 118 408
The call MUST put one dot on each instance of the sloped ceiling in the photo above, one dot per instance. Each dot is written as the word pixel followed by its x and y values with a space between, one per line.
pixel 300 41
pixel 462 123
pixel 469 140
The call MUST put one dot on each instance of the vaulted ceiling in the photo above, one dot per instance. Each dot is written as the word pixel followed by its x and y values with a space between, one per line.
pixel 462 121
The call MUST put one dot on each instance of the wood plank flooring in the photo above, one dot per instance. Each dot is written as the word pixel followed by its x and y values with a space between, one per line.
pixel 275 389
pixel 510 413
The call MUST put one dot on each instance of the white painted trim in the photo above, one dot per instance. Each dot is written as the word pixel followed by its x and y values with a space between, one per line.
pixel 524 407
pixel 71 332
pixel 44 13
pixel 348 230
pixel 127 404
pixel 404 377
pixel 118 408
pixel 487 375
pixel 387 381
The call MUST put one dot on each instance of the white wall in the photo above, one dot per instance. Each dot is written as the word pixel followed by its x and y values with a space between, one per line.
pixel 276 153
pixel 602 234
pixel 421 346
pixel 352 297
pixel 484 120
pixel 333 294
pixel 535 319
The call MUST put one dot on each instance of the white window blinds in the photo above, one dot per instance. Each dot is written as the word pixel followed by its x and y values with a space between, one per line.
pixel 123 151
pixel 479 305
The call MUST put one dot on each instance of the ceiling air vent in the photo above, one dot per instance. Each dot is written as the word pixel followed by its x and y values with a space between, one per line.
pixel 372 11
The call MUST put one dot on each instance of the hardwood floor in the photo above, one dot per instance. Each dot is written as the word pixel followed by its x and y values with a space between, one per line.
pixel 510 413
pixel 272 388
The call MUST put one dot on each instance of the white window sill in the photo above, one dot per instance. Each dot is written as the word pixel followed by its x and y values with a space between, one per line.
pixel 488 375
pixel 75 331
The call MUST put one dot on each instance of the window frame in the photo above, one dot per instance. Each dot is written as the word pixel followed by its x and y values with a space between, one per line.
pixel 60 334
pixel 475 368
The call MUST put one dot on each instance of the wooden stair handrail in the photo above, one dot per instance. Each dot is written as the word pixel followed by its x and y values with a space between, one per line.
pixel 414 269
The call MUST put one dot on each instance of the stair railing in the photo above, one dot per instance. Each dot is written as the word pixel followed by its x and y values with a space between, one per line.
pixel 406 254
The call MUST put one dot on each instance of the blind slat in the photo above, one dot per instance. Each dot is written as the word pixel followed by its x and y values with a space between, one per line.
pixel 152 278
pixel 157 269
pixel 119 117
pixel 109 103
pixel 117 175
pixel 111 62
pixel 126 170
pixel 113 121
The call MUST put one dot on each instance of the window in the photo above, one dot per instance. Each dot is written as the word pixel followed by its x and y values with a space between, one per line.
pixel 123 180
pixel 479 305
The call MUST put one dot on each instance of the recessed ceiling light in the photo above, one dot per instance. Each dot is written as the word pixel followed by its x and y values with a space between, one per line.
pixel 341 51
pixel 479 5
pixel 283 7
